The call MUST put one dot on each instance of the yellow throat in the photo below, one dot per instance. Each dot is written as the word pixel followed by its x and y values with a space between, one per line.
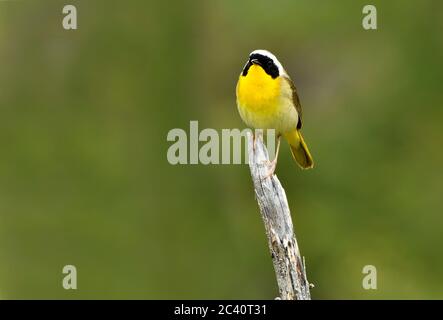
pixel 257 90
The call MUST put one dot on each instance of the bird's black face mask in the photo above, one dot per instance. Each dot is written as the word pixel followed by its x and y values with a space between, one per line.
pixel 263 61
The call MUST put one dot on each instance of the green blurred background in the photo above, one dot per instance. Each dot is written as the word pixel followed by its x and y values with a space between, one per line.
pixel 84 178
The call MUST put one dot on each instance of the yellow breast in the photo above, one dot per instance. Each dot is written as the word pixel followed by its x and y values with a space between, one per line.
pixel 263 101
pixel 257 91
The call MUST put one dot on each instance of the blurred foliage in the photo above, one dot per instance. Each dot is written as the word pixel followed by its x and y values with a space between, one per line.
pixel 84 178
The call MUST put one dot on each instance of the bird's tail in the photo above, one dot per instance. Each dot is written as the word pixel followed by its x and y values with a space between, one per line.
pixel 299 149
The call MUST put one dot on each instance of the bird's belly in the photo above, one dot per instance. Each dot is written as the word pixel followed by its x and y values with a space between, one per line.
pixel 280 115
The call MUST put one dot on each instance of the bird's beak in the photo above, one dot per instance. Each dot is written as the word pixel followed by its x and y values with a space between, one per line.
pixel 255 61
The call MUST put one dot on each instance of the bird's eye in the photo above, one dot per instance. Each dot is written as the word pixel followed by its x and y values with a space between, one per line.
pixel 269 63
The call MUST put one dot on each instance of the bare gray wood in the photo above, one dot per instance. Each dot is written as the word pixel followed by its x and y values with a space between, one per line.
pixel 288 264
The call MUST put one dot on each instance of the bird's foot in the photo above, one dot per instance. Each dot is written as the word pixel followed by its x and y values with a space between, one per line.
pixel 271 165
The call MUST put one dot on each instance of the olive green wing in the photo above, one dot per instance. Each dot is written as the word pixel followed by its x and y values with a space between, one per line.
pixel 295 100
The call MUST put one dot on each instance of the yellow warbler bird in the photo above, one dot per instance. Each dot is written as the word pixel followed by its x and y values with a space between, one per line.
pixel 267 99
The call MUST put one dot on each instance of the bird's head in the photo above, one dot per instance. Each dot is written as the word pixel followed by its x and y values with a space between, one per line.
pixel 265 60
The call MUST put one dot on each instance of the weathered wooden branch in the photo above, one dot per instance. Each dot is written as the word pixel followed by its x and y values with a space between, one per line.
pixel 288 264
